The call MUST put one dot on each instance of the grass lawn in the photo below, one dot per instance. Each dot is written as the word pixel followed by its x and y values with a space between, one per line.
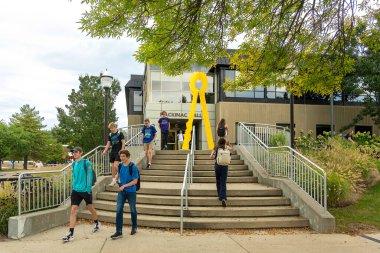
pixel 362 216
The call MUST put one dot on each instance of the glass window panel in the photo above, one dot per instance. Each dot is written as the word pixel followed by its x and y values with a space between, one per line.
pixel 156 85
pixel 156 96
pixel 281 95
pixel 210 82
pixel 171 86
pixel 171 97
pixel 137 108
pixel 229 75
pixel 244 94
pixel 259 94
pixel 155 67
pixel 271 95
pixel 271 88
pixel 137 98
pixel 185 86
pixel 230 94
pixel 281 89
pixel 155 76
pixel 259 88
pixel 171 78
pixel 186 97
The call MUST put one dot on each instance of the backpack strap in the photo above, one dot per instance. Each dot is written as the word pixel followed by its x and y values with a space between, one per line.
pixel 131 168
pixel 119 167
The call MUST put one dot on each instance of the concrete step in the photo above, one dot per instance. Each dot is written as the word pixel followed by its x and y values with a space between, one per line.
pixel 210 179
pixel 197 162
pixel 201 211
pixel 200 201
pixel 196 167
pixel 210 173
pixel 185 152
pixel 204 189
pixel 204 222
pixel 184 157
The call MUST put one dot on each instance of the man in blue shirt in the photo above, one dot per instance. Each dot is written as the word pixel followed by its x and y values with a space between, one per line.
pixel 149 133
pixel 164 124
pixel 127 191
pixel 82 184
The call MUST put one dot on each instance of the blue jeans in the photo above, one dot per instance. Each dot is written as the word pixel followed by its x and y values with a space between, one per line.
pixel 122 196
pixel 221 173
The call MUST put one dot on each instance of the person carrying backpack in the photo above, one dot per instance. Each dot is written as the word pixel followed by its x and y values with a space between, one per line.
pixel 222 129
pixel 83 180
pixel 128 181
pixel 221 155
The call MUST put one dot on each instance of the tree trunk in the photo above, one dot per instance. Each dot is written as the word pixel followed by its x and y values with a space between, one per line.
pixel 25 162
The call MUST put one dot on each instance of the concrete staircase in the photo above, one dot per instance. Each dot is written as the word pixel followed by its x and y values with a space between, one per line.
pixel 250 205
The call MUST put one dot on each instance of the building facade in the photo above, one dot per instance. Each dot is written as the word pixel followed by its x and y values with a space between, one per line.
pixel 150 94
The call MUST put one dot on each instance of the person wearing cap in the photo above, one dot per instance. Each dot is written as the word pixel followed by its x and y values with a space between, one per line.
pixel 149 133
pixel 117 141
pixel 81 177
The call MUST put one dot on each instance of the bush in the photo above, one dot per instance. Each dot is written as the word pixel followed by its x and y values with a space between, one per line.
pixel 8 206
pixel 279 139
pixel 349 171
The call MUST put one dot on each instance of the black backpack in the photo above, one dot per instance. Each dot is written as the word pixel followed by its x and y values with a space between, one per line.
pixel 131 172
pixel 221 131
pixel 85 169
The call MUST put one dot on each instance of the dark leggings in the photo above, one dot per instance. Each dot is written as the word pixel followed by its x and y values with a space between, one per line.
pixel 221 173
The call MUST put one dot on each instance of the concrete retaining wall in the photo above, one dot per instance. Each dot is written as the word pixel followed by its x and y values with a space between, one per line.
pixel 320 221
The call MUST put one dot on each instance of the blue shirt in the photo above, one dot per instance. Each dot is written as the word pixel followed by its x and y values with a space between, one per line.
pixel 148 133
pixel 164 123
pixel 82 181
pixel 125 177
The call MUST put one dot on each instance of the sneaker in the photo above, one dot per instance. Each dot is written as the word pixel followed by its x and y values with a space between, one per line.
pixel 112 183
pixel 148 166
pixel 224 203
pixel 117 235
pixel 96 227
pixel 133 231
pixel 69 237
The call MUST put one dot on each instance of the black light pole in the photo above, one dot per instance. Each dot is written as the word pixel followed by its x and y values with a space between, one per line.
pixel 332 115
pixel 106 81
pixel 291 120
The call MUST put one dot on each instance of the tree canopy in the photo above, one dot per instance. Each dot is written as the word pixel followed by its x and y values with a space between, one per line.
pixel 81 124
pixel 304 40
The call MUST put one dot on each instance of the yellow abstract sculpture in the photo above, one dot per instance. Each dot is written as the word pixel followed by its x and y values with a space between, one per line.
pixel 202 93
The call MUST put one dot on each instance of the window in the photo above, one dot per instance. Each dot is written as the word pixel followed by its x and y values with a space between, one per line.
pixel 137 101
pixel 363 129
pixel 321 129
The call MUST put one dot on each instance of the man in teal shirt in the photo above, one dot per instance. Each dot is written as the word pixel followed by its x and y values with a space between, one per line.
pixel 82 184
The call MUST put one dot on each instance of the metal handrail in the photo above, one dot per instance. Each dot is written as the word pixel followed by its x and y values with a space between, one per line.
pixel 266 132
pixel 49 191
pixel 187 178
pixel 284 161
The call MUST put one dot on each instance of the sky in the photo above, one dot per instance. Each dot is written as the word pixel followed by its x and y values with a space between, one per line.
pixel 42 54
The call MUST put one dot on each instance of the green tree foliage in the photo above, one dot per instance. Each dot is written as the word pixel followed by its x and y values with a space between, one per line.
pixel 366 77
pixel 5 141
pixel 27 126
pixel 82 124
pixel 304 38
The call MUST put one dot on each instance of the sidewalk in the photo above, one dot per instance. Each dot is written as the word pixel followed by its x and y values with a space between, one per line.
pixel 160 241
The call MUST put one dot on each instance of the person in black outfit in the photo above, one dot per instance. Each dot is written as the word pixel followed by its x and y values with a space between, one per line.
pixel 222 129
pixel 221 172
pixel 116 139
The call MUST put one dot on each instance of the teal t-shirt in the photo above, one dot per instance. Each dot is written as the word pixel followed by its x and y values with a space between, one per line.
pixel 82 181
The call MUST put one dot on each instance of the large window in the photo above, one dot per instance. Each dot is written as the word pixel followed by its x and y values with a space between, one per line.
pixel 137 101
pixel 175 89
pixel 322 129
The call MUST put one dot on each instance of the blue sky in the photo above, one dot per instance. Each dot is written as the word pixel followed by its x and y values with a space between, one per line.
pixel 42 54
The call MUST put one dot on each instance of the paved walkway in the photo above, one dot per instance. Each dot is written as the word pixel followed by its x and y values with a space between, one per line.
pixel 161 241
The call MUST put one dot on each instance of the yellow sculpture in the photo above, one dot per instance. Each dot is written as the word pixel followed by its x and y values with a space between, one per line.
pixel 202 93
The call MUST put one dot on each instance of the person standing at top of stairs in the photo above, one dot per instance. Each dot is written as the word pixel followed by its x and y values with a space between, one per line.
pixel 164 125
pixel 149 134
pixel 117 140
pixel 222 129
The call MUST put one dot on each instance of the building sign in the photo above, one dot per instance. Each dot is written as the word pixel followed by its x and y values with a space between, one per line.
pixel 183 115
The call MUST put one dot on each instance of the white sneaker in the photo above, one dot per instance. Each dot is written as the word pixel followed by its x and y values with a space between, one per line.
pixel 68 237
pixel 112 183
pixel 96 227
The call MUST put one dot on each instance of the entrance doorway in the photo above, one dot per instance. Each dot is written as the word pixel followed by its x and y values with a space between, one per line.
pixel 180 124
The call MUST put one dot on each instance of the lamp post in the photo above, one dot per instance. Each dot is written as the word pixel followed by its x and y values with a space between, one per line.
pixel 106 81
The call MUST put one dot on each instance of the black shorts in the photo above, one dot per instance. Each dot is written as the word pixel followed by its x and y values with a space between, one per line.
pixel 77 197
pixel 114 157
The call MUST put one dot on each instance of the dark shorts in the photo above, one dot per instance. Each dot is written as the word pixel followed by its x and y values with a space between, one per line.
pixel 77 197
pixel 114 157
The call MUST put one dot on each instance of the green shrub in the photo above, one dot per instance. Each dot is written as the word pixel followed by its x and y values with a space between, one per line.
pixel 8 206
pixel 338 189
pixel 279 139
